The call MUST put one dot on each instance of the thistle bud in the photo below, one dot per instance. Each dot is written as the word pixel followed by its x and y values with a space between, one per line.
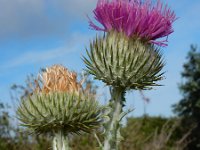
pixel 59 104
pixel 123 62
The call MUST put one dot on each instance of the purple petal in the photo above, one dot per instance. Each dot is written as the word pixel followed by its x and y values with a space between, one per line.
pixel 135 18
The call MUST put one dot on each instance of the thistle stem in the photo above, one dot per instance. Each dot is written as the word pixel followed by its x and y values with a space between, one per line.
pixel 112 135
pixel 60 142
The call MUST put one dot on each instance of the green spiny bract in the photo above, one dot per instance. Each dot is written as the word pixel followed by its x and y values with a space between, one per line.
pixel 124 62
pixel 66 112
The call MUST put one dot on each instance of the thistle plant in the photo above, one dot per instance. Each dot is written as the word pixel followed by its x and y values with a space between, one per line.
pixel 59 106
pixel 128 55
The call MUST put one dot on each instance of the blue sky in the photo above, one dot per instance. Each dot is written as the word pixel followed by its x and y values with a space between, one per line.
pixel 36 33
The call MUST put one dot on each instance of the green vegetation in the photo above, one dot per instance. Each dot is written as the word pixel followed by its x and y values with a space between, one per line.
pixel 142 133
pixel 189 106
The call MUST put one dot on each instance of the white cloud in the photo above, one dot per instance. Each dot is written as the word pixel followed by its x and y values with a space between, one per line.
pixel 76 42
pixel 15 15
pixel 78 8
pixel 35 57
pixel 38 18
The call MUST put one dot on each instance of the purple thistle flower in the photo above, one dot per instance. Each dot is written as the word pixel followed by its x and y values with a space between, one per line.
pixel 135 18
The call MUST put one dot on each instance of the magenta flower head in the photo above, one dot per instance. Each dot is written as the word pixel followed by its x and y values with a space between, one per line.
pixel 135 18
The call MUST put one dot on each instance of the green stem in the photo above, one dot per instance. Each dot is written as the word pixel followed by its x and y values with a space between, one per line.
pixel 60 142
pixel 112 135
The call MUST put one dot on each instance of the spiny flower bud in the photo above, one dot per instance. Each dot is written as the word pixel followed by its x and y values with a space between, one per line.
pixel 60 104
pixel 125 63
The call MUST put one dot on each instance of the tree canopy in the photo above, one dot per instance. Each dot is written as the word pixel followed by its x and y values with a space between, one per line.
pixel 189 106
